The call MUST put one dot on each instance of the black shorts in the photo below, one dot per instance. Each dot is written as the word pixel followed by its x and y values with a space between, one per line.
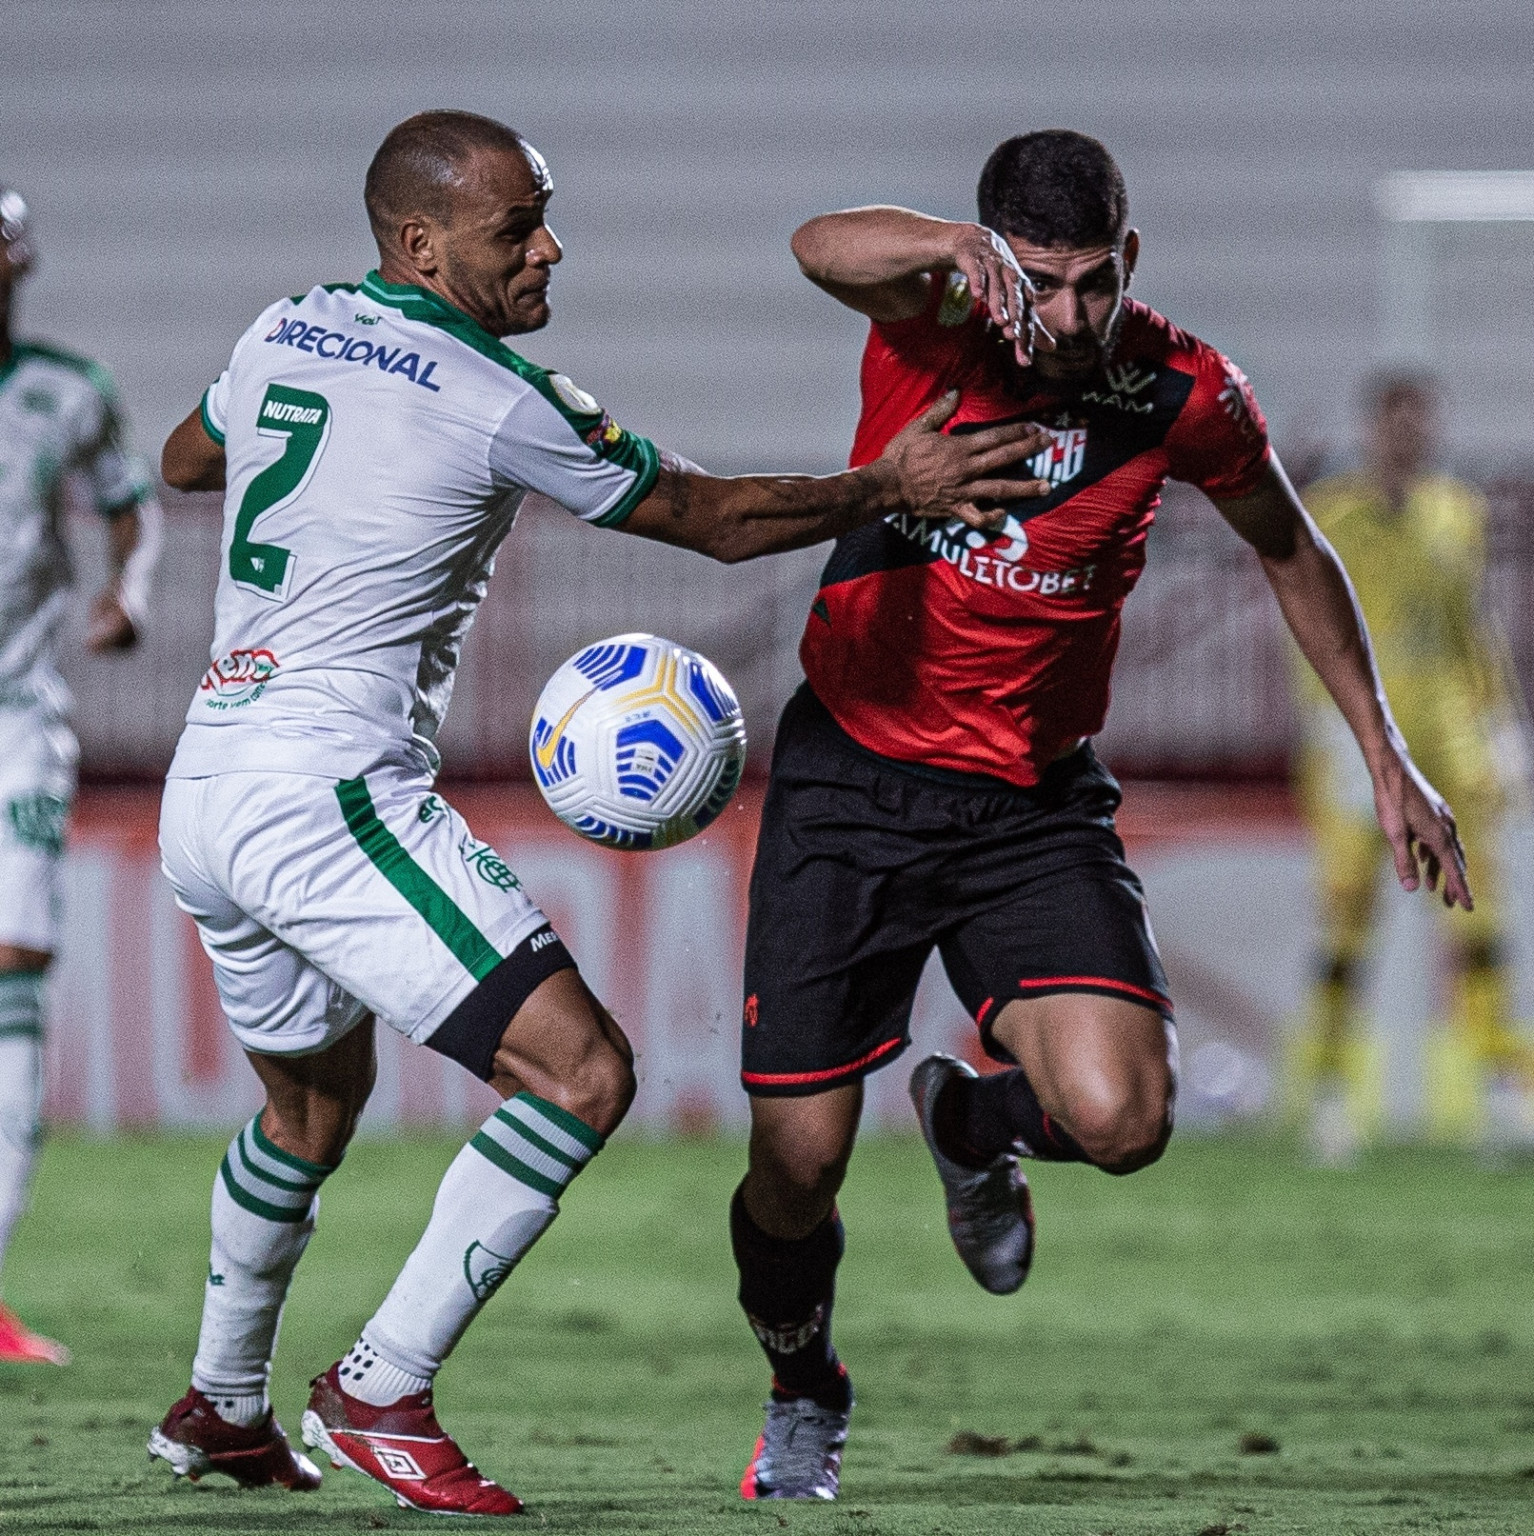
pixel 863 865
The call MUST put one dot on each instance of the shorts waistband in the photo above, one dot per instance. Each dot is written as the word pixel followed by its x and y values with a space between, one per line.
pixel 1066 766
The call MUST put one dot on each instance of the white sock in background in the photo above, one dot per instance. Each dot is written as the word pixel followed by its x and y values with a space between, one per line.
pixel 494 1203
pixel 21 1091
pixel 265 1202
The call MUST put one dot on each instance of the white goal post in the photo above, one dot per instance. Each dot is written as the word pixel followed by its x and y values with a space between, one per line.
pixel 1453 295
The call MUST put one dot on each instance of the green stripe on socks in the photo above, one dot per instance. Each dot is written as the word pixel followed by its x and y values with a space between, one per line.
pixel 267 1181
pixel 265 1203
pixel 21 1003
pixel 495 1201
pixel 537 1142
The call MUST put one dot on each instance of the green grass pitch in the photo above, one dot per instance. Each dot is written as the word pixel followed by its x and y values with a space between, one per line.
pixel 1375 1326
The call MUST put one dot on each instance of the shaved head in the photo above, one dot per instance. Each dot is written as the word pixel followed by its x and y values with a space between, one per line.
pixel 458 205
pixel 422 166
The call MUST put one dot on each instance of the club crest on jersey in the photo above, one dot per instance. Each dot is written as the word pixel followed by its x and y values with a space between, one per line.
pixel 1062 460
pixel 238 678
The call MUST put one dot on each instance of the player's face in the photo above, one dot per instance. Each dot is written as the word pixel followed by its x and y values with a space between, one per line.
pixel 1406 430
pixel 1080 296
pixel 496 254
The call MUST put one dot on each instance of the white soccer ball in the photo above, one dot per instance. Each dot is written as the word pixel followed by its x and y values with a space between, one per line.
pixel 637 742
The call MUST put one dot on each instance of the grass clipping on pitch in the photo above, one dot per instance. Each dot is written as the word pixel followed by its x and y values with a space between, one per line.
pixel 1226 1342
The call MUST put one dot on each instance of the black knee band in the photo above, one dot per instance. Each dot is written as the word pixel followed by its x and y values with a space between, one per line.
pixel 472 1032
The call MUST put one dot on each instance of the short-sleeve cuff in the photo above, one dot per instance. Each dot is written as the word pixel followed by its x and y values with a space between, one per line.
pixel 210 426
pixel 643 457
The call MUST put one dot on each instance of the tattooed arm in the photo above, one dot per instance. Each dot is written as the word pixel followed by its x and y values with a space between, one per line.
pixel 922 471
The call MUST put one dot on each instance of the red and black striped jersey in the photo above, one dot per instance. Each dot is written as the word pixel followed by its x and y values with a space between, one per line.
pixel 932 643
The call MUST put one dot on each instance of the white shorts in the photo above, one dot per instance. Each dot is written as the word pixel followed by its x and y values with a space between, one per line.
pixel 319 902
pixel 37 783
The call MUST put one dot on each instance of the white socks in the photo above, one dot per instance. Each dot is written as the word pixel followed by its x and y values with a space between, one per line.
pixel 265 1202
pixel 21 1091
pixel 495 1200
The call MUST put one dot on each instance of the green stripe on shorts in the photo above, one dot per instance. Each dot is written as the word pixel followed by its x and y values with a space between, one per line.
pixel 447 919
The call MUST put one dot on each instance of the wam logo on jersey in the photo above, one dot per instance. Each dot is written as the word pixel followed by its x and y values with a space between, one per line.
pixel 1124 384
pixel 1062 460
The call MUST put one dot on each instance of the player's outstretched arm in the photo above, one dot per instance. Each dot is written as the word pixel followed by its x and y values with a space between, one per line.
pixel 922 471
pixel 191 460
pixel 133 547
pixel 1323 615
pixel 877 261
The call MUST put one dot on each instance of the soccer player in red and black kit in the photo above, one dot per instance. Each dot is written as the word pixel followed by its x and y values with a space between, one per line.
pixel 934 784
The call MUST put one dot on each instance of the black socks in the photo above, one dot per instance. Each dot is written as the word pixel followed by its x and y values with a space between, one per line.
pixel 979 1118
pixel 787 1286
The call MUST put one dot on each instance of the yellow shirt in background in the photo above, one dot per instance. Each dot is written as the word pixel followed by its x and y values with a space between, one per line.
pixel 1418 575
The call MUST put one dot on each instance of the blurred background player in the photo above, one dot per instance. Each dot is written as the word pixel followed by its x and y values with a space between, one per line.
pixel 1414 542
pixel 59 427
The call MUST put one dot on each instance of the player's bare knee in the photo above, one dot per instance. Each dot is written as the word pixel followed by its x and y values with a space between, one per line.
pixel 607 1083
pixel 317 1129
pixel 596 1086
pixel 799 1175
pixel 1122 1132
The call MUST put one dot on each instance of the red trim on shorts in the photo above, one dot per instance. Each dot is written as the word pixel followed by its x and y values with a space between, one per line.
pixel 788 1079
pixel 1097 981
pixel 985 1008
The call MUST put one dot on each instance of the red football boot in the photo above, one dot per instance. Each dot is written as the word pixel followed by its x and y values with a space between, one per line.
pixel 402 1447
pixel 195 1441
pixel 20 1346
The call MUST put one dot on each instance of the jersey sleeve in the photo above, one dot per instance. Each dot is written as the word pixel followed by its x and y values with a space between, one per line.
pixel 908 363
pixel 555 439
pixel 1219 441
pixel 113 477
pixel 215 408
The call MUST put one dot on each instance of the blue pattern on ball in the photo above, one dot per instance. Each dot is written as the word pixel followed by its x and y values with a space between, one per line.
pixel 647 755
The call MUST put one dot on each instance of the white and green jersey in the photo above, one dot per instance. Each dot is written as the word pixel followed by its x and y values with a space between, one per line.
pixel 58 422
pixel 379 443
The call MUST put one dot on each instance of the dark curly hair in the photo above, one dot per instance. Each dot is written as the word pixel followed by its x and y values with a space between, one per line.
pixel 1054 188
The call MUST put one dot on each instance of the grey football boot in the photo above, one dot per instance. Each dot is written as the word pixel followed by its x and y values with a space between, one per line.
pixel 799 1452
pixel 990 1212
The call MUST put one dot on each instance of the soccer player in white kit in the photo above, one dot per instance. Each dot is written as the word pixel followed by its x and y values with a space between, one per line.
pixel 59 426
pixel 375 441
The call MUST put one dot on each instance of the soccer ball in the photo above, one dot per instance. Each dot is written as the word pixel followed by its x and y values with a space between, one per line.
pixel 637 742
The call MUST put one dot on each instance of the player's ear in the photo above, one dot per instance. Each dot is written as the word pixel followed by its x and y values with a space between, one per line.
pixel 418 244
pixel 1131 254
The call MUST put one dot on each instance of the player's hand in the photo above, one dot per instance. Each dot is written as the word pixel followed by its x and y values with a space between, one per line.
pixel 110 628
pixel 1420 828
pixel 987 264
pixel 946 476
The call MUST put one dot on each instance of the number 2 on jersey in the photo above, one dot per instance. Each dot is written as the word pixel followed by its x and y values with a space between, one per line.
pixel 303 418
